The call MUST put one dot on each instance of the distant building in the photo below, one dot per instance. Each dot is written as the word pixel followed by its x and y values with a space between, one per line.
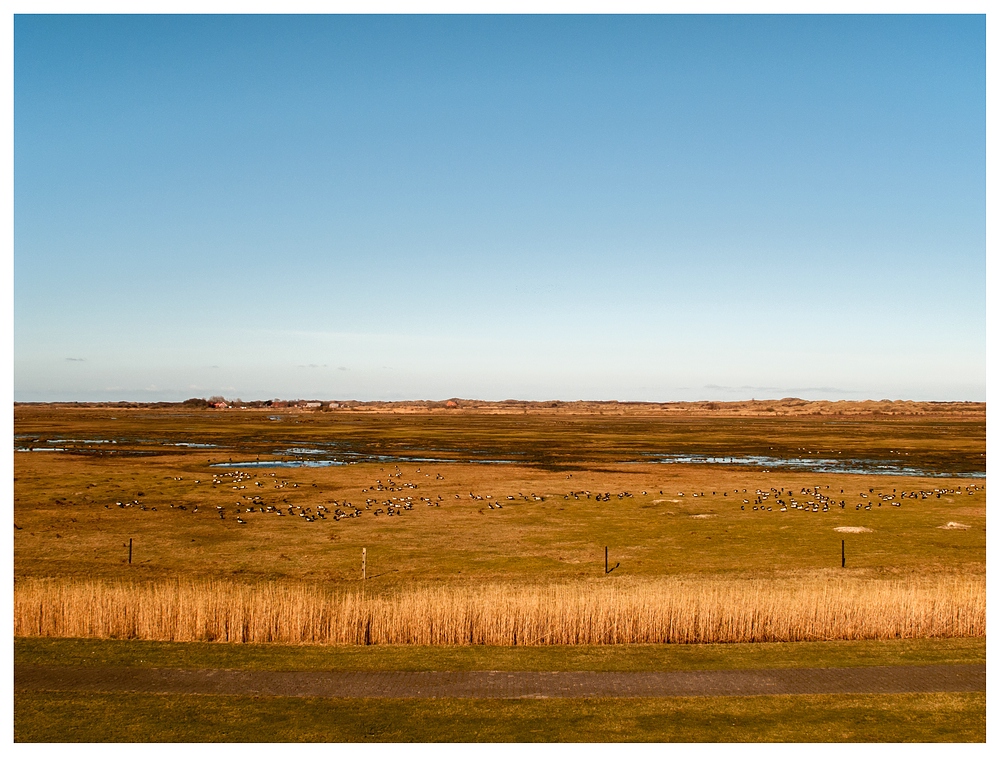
pixel 334 405
pixel 220 405
pixel 311 404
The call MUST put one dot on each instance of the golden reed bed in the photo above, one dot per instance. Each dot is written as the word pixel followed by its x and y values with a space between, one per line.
pixel 669 610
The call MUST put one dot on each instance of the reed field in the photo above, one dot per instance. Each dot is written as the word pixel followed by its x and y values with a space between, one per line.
pixel 677 611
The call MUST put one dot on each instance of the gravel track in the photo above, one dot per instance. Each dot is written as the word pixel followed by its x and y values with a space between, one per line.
pixel 505 685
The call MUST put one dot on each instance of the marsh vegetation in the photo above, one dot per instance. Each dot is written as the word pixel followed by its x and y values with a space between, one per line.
pixel 461 552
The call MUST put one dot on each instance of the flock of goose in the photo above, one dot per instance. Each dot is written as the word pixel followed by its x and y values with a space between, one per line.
pixel 387 497
pixel 816 501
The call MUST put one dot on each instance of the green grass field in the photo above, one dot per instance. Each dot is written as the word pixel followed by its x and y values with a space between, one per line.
pixel 59 716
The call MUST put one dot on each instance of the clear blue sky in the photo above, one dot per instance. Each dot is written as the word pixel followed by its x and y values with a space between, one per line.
pixel 633 208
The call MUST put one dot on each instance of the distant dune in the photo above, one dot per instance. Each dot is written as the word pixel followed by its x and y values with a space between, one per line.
pixel 784 407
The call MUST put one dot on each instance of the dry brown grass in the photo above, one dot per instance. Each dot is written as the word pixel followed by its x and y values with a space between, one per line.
pixel 668 610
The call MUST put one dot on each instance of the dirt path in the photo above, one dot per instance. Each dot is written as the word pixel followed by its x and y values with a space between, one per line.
pixel 503 685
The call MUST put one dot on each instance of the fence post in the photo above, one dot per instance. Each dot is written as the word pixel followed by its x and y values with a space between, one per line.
pixel 130 550
pixel 364 567
pixel 605 561
pixel 843 558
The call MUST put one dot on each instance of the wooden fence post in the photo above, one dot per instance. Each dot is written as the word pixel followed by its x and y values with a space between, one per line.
pixel 843 557
pixel 130 550
pixel 364 560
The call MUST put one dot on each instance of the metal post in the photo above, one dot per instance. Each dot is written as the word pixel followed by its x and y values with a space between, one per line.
pixel 605 561
pixel 843 558
pixel 130 550
pixel 364 567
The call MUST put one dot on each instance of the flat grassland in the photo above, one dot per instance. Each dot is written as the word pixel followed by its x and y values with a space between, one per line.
pixel 491 520
pixel 65 716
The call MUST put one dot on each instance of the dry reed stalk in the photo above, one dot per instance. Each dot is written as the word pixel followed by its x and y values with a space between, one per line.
pixel 668 610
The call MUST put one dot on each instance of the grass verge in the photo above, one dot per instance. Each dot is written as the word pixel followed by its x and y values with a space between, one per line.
pixel 639 657
pixel 58 716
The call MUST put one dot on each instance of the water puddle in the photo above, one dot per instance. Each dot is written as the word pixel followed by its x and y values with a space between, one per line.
pixel 350 459
pixel 815 465
pixel 34 439
pixel 282 464
pixel 320 454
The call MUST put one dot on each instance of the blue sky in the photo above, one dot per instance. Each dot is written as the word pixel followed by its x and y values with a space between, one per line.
pixel 634 208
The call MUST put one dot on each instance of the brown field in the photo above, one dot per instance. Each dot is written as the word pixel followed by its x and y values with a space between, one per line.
pixel 505 552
